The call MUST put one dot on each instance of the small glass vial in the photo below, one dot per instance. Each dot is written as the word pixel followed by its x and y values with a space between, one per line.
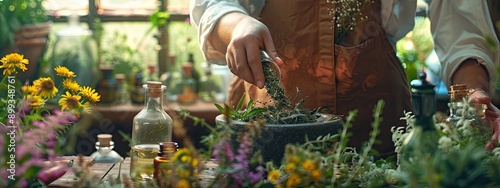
pixel 460 107
pixel 163 162
pixel 210 86
pixel 122 95
pixel 105 152
pixel 172 79
pixel 152 125
pixel 188 95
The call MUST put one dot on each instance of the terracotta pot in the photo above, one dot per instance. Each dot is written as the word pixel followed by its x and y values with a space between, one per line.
pixel 275 137
pixel 30 41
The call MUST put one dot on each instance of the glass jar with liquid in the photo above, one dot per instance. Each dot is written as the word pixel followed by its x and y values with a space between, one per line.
pixel 152 125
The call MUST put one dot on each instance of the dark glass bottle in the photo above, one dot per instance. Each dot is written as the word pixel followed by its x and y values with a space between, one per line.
pixel 194 73
pixel 107 86
pixel 423 138
pixel 138 91
pixel 163 162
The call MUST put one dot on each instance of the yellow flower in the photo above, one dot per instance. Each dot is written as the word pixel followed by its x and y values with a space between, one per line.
pixel 71 85
pixel 182 173
pixel 180 153
pixel 273 176
pixel 294 159
pixel 308 165
pixel 29 90
pixel 90 94
pixel 35 101
pixel 69 101
pixel 183 183
pixel 64 72
pixel 289 167
pixel 293 180
pixel 185 158
pixel 316 174
pixel 194 162
pixel 11 61
pixel 46 87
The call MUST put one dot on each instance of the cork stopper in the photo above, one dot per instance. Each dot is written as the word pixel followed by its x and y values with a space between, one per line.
pixel 104 140
pixel 120 76
pixel 154 89
pixel 458 92
pixel 187 68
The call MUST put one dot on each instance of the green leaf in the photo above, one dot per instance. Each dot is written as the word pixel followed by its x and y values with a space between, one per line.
pixel 240 103
pixel 220 108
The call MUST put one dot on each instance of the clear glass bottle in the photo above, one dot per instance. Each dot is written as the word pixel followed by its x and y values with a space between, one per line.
pixel 210 86
pixel 152 125
pixel 172 79
pixel 188 95
pixel 461 108
pixel 122 95
pixel 423 138
pixel 163 163
pixel 105 152
pixel 75 49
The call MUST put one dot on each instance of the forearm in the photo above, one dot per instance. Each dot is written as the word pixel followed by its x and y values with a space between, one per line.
pixel 222 32
pixel 473 74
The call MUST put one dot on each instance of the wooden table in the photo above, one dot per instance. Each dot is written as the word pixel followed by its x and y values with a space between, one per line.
pixel 108 171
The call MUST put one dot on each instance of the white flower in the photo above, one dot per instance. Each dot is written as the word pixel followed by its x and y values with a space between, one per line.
pixel 445 143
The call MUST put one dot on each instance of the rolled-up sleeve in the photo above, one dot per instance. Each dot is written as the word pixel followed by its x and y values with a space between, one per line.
pixel 204 15
pixel 460 29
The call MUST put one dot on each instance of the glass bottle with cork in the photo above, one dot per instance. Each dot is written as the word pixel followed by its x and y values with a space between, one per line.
pixel 172 79
pixel 152 125
pixel 163 166
pixel 460 107
pixel 423 138
pixel 105 152
pixel 188 95
pixel 210 86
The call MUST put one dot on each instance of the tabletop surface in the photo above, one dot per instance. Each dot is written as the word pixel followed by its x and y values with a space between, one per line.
pixel 109 171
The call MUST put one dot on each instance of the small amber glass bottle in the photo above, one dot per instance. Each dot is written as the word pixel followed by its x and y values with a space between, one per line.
pixel 163 162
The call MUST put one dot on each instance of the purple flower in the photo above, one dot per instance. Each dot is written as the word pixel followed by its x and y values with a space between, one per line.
pixel 256 176
pixel 223 149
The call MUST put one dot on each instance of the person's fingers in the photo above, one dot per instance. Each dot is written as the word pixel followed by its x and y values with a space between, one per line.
pixel 255 64
pixel 271 50
pixel 241 65
pixel 493 142
pixel 480 96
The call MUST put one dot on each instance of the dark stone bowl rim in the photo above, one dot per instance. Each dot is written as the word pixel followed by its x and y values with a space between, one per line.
pixel 324 119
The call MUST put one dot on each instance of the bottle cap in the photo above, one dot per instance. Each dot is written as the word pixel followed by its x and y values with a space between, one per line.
pixel 166 147
pixel 104 140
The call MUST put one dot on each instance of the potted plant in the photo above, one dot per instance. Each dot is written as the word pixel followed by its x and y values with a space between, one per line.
pixel 25 29
pixel 284 122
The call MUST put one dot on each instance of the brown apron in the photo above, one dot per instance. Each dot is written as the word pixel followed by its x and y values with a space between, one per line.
pixel 354 74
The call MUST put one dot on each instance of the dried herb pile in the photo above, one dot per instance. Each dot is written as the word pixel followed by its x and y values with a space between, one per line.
pixel 280 110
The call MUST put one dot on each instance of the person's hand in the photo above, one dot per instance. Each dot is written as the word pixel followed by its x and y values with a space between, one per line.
pixel 492 114
pixel 243 51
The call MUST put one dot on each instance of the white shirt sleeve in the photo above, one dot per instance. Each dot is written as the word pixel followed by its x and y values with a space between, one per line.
pixel 460 29
pixel 204 15
pixel 398 18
